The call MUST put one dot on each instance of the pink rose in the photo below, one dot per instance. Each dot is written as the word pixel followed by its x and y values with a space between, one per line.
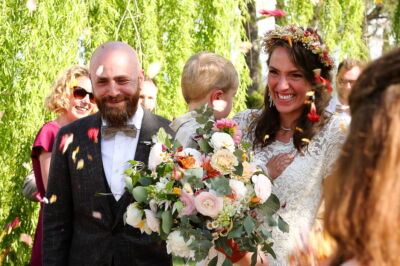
pixel 208 204
pixel 188 201
pixel 230 127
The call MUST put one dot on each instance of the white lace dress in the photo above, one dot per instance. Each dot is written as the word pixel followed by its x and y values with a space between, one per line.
pixel 299 187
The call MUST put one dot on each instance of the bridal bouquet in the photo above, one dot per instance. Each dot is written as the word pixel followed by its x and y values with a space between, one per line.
pixel 206 199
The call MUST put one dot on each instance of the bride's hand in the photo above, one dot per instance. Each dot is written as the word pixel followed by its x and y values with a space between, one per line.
pixel 278 164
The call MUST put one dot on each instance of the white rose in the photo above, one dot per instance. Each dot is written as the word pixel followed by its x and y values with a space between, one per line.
pixel 238 188
pixel 262 187
pixel 195 153
pixel 222 140
pixel 133 215
pixel 177 245
pixel 155 156
pixel 152 221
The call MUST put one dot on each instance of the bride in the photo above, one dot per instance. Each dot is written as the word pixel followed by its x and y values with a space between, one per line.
pixel 293 138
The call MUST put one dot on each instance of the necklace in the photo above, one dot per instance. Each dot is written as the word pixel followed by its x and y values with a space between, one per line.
pixel 285 128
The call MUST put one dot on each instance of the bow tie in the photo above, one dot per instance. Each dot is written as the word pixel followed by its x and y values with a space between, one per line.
pixel 109 132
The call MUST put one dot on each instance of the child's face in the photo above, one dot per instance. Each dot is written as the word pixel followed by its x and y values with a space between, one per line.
pixel 223 105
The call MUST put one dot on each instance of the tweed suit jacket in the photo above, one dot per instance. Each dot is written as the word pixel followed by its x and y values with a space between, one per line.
pixel 82 228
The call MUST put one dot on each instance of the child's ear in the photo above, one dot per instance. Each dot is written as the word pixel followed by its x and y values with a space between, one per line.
pixel 216 95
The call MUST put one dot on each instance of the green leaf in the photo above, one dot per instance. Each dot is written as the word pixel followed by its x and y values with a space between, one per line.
pixel 248 225
pixel 166 225
pixel 201 248
pixel 282 225
pixel 128 183
pixel 145 181
pixel 269 250
pixel 238 169
pixel 195 172
pixel 213 262
pixel 222 243
pixel 220 185
pixel 162 135
pixel 254 258
pixel 204 146
pixel 271 206
pixel 236 232
pixel 140 194
pixel 227 262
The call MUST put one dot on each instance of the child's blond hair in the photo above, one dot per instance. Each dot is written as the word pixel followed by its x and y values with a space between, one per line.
pixel 204 72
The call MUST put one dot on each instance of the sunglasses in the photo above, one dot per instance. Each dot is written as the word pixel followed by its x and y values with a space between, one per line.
pixel 80 93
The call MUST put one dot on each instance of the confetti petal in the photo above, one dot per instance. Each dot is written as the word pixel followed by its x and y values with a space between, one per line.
pixel 80 164
pixel 306 140
pixel 53 198
pixel 97 215
pixel 299 129
pixel 74 153
pixel 93 132
pixel 343 127
pixel 90 157
pixel 27 239
pixel 1 115
pixel 31 5
pixel 66 139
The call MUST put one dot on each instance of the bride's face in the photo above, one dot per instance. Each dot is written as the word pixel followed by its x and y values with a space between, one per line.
pixel 287 84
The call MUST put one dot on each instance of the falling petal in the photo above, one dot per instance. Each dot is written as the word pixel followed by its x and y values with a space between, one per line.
pixel 73 83
pixel 299 129
pixel 66 139
pixel 306 140
pixel 100 70
pixel 93 132
pixel 153 69
pixel 266 137
pixel 26 166
pixel 244 47
pixel 31 5
pixel 274 13
pixel 90 157
pixel 27 239
pixel 342 127
pixel 53 198
pixel 74 153
pixel 290 41
pixel 96 215
pixel 80 164
pixel 1 115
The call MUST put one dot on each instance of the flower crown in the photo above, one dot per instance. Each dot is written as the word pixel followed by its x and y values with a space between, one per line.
pixel 308 38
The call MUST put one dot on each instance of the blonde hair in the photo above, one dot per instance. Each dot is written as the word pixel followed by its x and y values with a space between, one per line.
pixel 204 72
pixel 363 195
pixel 58 100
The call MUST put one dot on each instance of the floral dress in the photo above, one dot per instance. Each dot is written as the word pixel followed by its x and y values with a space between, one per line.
pixel 299 187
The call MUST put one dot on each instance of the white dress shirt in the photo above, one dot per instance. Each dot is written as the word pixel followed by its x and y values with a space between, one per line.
pixel 336 107
pixel 116 151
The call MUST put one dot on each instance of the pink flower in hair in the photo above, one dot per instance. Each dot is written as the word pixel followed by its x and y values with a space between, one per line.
pixel 230 127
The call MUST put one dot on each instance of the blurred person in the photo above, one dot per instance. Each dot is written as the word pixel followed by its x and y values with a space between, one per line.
pixel 362 198
pixel 71 98
pixel 294 139
pixel 347 74
pixel 207 78
pixel 148 94
pixel 90 158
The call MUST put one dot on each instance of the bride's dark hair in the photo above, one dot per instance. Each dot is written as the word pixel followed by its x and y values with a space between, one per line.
pixel 268 123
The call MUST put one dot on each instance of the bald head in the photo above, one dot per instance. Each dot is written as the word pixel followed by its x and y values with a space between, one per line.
pixel 117 78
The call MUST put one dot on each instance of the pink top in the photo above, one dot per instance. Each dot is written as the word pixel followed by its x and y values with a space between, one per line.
pixel 44 140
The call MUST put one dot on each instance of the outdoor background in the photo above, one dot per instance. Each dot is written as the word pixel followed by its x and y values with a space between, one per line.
pixel 40 38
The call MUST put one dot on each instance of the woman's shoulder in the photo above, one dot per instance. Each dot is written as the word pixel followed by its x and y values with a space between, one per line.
pixel 247 116
pixel 336 125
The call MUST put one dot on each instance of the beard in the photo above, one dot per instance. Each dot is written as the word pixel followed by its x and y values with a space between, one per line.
pixel 117 116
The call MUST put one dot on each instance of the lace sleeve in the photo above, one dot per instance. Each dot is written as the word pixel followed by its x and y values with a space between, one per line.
pixel 336 132
pixel 244 120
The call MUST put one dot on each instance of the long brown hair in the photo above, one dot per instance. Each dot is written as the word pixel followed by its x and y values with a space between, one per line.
pixel 268 123
pixel 363 195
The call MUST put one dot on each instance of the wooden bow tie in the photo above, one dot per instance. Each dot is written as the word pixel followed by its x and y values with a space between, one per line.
pixel 108 132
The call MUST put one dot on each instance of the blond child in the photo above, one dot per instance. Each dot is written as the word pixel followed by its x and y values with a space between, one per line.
pixel 210 79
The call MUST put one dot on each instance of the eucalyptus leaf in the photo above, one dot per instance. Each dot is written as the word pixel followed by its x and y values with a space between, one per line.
pixel 145 181
pixel 254 258
pixel 166 225
pixel 269 249
pixel 282 225
pixel 227 262
pixel 140 194
pixel 220 185
pixel 213 262
pixel 236 232
pixel 248 224
pixel 204 146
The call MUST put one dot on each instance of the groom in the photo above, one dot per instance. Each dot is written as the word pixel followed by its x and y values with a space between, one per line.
pixel 89 157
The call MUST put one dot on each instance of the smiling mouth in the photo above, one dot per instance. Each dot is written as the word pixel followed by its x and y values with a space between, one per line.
pixel 82 109
pixel 285 97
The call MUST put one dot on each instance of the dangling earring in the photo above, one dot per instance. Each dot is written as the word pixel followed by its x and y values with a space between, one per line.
pixel 271 102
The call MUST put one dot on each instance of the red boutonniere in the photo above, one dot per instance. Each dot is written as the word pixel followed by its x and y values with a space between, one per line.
pixel 93 132
pixel 312 115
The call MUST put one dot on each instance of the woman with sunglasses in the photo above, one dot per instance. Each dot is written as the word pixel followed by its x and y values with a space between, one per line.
pixel 71 98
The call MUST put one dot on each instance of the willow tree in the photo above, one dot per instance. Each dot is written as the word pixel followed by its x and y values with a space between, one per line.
pixel 36 44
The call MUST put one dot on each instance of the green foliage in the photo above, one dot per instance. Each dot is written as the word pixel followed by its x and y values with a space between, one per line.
pixel 255 100
pixel 35 46
pixel 396 24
